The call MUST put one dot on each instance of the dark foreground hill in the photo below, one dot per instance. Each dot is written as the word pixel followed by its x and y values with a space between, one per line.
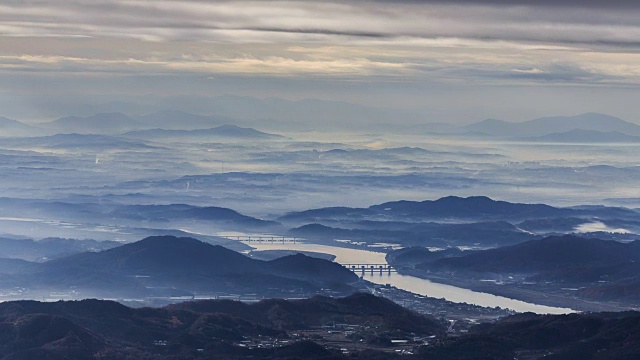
pixel 169 266
pixel 215 329
pixel 281 329
pixel 381 313
pixel 592 336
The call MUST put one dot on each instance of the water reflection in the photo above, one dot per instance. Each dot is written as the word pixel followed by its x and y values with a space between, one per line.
pixel 411 283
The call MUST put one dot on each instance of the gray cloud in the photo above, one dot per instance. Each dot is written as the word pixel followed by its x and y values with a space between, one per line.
pixel 611 4
pixel 565 73
pixel 586 22
pixel 394 44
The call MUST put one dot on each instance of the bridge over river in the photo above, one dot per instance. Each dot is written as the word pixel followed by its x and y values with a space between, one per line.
pixel 371 265
pixel 265 239
pixel 370 268
pixel 362 268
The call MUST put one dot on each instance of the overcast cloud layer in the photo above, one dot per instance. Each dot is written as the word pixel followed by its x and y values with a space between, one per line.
pixel 460 46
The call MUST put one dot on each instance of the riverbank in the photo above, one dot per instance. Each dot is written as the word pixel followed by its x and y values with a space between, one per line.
pixel 529 295
pixel 416 285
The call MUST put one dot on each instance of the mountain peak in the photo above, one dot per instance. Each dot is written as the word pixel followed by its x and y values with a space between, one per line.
pixel 594 115
pixel 475 199
pixel 169 240
pixel 12 127
pixel 108 122
pixel 167 255
pixel 476 207
pixel 181 246
pixel 113 114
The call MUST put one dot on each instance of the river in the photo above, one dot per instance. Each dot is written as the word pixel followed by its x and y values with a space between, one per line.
pixel 412 283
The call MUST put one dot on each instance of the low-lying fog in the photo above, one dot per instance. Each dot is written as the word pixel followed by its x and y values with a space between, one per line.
pixel 311 170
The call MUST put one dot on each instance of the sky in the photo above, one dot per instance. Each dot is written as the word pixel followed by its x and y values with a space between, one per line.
pixel 453 61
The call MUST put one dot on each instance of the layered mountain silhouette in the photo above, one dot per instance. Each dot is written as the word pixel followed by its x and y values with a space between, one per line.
pixel 602 270
pixel 88 328
pixel 586 136
pixel 557 124
pixel 179 266
pixel 164 124
pixel 223 131
pixel 10 127
pixel 180 120
pixel 474 208
pixel 49 248
pixel 416 255
pixel 471 207
pixel 175 212
pixel 484 234
pixel 118 122
pixel 121 214
pixel 217 329
pixel 103 123
pixel 545 255
pixel 76 141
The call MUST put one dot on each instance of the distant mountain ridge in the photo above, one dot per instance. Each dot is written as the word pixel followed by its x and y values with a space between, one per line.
pixel 470 207
pixel 163 123
pixel 222 131
pixel 557 124
pixel 10 127
pixel 103 123
pixel 586 136
pixel 473 208
pixel 117 122
pixel 483 234
pixel 188 212
pixel 130 215
pixel 274 117
pixel 75 141
pixel 181 120
pixel 49 248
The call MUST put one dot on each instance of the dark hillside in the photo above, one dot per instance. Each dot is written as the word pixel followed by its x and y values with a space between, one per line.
pixel 546 254
pixel 170 266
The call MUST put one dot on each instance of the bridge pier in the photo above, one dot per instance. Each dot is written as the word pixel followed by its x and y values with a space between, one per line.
pixel 370 268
